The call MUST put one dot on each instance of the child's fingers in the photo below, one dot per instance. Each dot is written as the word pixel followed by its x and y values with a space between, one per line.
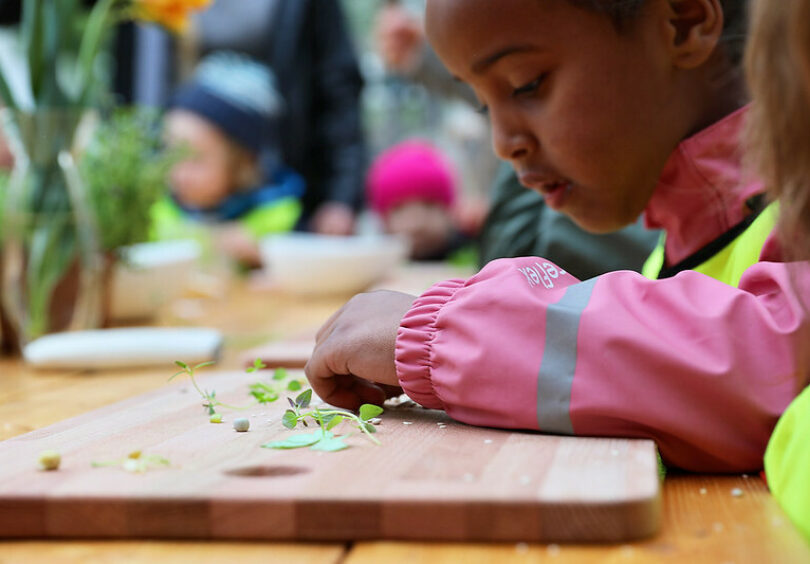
pixel 330 378
pixel 352 392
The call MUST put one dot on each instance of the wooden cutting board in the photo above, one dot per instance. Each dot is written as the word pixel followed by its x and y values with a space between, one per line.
pixel 430 478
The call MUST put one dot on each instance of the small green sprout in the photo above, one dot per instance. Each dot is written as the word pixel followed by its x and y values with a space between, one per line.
pixel 257 365
pixel 327 419
pixel 210 401
pixel 136 462
pixel 262 392
pixel 265 392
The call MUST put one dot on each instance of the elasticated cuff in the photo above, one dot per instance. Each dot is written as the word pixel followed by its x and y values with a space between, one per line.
pixel 415 343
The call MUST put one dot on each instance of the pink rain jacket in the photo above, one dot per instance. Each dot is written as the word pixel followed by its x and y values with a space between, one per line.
pixel 702 368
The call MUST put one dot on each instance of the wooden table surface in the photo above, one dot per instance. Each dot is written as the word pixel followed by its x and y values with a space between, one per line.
pixel 702 520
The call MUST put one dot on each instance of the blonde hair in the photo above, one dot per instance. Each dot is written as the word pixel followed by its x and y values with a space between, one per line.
pixel 777 61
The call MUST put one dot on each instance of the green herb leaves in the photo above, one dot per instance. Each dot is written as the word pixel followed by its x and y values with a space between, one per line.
pixel 269 392
pixel 327 419
pixel 262 392
pixel 209 398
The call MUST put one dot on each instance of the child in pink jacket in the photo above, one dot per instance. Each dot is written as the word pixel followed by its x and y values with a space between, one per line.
pixel 609 109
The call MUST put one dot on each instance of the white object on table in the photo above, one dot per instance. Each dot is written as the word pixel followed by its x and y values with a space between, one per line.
pixel 150 275
pixel 311 264
pixel 124 347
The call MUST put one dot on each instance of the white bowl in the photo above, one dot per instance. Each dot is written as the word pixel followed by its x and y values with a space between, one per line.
pixel 150 275
pixel 309 264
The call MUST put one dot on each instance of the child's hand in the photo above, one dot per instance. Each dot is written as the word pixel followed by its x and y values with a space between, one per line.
pixel 235 242
pixel 353 360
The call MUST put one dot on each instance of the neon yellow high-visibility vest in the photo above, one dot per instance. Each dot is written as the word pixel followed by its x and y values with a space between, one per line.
pixel 724 259
pixel 787 462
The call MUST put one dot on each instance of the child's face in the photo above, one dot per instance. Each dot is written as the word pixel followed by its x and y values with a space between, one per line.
pixel 426 225
pixel 205 177
pixel 586 115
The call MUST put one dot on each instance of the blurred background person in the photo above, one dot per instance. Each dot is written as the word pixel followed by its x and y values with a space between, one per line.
pixel 222 121
pixel 412 188
pixel 307 45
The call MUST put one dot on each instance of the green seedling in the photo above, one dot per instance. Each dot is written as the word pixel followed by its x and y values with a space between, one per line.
pixel 210 401
pixel 269 392
pixel 262 392
pixel 326 419
pixel 136 462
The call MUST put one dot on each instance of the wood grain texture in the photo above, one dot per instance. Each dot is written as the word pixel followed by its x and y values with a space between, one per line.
pixel 100 552
pixel 426 481
pixel 702 523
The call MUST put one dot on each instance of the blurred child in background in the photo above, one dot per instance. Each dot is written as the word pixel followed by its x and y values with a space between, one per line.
pixel 229 183
pixel 779 130
pixel 412 187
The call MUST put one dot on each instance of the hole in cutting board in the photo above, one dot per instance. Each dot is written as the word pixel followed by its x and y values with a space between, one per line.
pixel 266 471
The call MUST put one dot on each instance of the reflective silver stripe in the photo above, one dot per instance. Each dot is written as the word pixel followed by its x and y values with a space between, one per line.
pixel 560 359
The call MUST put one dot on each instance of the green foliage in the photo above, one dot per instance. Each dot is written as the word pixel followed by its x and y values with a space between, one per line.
pixel 61 42
pixel 125 169
pixel 327 419
pixel 267 392
pixel 209 398
pixel 262 392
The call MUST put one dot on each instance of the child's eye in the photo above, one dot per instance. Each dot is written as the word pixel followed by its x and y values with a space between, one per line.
pixel 530 87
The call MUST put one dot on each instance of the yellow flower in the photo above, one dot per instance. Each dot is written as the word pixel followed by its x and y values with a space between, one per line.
pixel 172 14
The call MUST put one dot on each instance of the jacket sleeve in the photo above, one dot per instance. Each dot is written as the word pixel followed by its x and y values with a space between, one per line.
pixel 702 368
pixel 338 146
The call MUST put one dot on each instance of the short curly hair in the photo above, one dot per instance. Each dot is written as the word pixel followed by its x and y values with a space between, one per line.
pixel 735 15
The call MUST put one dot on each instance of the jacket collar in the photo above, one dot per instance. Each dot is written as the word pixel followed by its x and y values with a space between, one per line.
pixel 703 189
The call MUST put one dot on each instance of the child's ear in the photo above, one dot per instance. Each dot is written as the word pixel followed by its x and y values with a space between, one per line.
pixel 695 28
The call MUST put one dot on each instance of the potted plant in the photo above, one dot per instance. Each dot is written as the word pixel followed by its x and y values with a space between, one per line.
pixel 51 248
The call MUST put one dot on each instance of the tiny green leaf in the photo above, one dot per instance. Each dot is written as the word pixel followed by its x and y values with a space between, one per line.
pixel 332 444
pixel 332 422
pixel 182 365
pixel 294 385
pixel 296 441
pixel 215 418
pixel 369 427
pixel 289 419
pixel 280 374
pixel 369 411
pixel 302 400
pixel 292 403
pixel 204 364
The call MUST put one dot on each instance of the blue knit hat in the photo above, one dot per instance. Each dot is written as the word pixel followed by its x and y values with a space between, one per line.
pixel 237 94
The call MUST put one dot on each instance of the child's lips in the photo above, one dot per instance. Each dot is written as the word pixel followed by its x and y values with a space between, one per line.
pixel 554 190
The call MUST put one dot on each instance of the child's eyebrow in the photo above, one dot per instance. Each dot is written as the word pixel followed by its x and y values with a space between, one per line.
pixel 483 63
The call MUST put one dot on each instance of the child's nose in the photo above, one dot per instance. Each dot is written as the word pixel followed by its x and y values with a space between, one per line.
pixel 509 141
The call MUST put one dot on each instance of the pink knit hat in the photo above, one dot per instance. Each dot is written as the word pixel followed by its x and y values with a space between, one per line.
pixel 411 170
